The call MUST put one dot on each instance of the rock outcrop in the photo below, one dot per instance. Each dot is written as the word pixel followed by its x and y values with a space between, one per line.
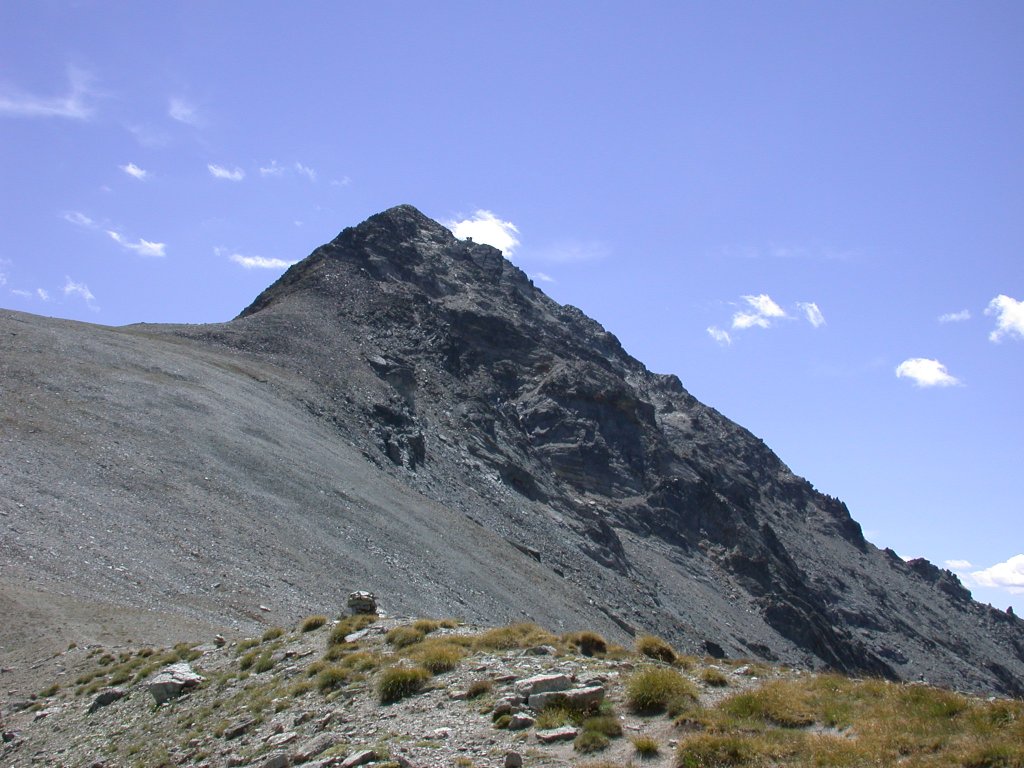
pixel 405 411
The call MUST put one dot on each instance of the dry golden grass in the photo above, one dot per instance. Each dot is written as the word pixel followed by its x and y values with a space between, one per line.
pixel 523 635
pixel 654 647
pixel 653 689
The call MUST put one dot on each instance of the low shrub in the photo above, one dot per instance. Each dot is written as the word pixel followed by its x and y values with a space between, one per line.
pixel 348 625
pixel 438 657
pixel 313 622
pixel 523 635
pixel 590 741
pixel 404 636
pixel 646 746
pixel 588 643
pixel 478 688
pixel 714 677
pixel 654 647
pixel 397 683
pixel 708 750
pixel 332 677
pixel 650 689
pixel 272 634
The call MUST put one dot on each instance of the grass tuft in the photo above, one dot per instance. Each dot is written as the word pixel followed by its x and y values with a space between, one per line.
pixel 655 648
pixel 651 689
pixel 312 622
pixel 397 683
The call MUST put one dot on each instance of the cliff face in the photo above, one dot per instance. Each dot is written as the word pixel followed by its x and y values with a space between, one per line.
pixel 479 449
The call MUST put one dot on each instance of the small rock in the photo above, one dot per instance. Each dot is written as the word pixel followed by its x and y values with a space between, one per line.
pixel 542 650
pixel 359 758
pixel 550 736
pixel 275 760
pixel 542 684
pixel 233 761
pixel 219 641
pixel 313 747
pixel 106 698
pixel 264 609
pixel 280 739
pixel 580 698
pixel 439 733
pixel 235 730
pixel 513 760
pixel 520 722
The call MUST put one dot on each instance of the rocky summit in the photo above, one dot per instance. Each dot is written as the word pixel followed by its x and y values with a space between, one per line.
pixel 405 412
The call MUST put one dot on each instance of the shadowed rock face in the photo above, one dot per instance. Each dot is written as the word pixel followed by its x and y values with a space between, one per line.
pixel 406 412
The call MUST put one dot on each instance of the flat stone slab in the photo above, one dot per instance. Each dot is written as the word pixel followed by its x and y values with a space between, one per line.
pixel 542 684
pixel 578 698
pixel 565 733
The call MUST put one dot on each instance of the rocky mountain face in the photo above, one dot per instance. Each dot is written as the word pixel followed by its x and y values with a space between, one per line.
pixel 406 412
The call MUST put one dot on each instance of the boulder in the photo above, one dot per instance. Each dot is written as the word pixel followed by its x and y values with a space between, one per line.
pixel 173 681
pixel 579 698
pixel 550 736
pixel 105 698
pixel 541 684
pixel 362 602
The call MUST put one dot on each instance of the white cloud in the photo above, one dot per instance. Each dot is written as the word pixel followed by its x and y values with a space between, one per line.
pixel 1008 575
pixel 21 292
pixel 955 317
pixel 958 565
pixel 485 227
pixel 259 262
pixel 344 181
pixel 78 219
pixel 72 105
pixel 133 170
pixel 812 313
pixel 43 294
pixel 722 337
pixel 142 247
pixel 765 310
pixel 79 289
pixel 220 172
pixel 306 171
pixel 272 170
pixel 183 112
pixel 544 277
pixel 1009 315
pixel 925 372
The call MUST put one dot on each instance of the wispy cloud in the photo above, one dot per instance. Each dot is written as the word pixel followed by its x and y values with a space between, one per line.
pixel 812 313
pixel 272 170
pixel 22 292
pixel 925 372
pixel 254 262
pixel 544 277
pixel 183 111
pixel 220 172
pixel 43 294
pixel 306 171
pixel 1009 314
pixel 133 170
pixel 79 289
pixel 787 252
pixel 955 317
pixel 73 105
pixel 1008 575
pixel 344 181
pixel 484 227
pixel 142 247
pixel 78 219
pixel 722 337
pixel 764 312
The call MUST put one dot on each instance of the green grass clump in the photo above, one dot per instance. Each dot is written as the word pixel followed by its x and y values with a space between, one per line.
pixel 397 683
pixel 437 656
pixel 312 622
pixel 714 677
pixel 332 677
pixel 502 722
pixel 479 688
pixel 245 645
pixel 348 625
pixel 652 689
pixel 590 741
pixel 646 747
pixel 272 634
pixel 264 663
pixel 655 648
pixel 712 750
pixel 404 636
pixel 607 725
pixel 523 635
pixel 246 661
pixel 588 643
pixel 777 703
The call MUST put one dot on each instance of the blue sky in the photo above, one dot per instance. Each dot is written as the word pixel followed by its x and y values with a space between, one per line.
pixel 813 213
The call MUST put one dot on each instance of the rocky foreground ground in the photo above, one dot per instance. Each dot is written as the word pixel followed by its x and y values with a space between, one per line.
pixel 401 692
